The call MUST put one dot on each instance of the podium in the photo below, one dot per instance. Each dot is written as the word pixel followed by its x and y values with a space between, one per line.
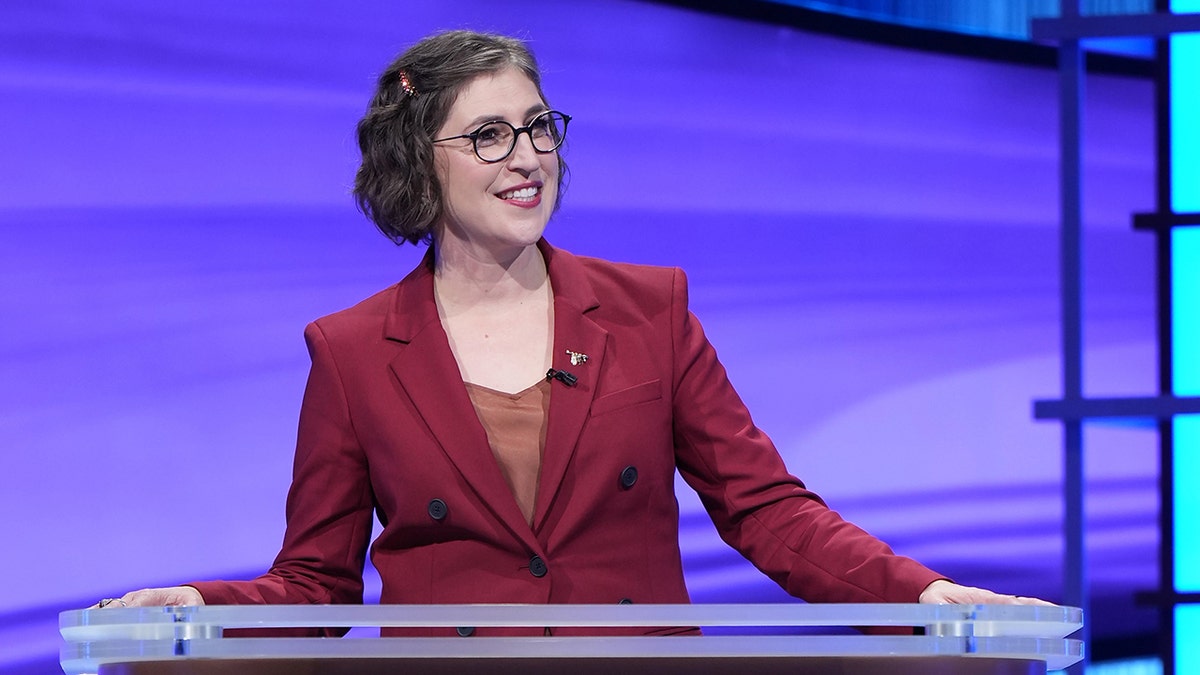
pixel 959 639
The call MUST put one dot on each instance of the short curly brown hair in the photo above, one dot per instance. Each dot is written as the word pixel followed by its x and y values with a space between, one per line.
pixel 396 185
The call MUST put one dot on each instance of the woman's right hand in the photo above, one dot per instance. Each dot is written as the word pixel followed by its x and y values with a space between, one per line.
pixel 154 597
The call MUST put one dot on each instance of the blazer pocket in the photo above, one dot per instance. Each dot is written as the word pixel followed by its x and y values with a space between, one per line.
pixel 638 393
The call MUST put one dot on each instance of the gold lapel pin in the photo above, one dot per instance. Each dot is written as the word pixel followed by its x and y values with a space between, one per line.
pixel 577 357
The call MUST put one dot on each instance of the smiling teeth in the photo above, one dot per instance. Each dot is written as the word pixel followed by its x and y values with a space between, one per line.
pixel 523 194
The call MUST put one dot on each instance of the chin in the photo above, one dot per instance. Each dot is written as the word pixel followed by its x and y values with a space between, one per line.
pixel 528 231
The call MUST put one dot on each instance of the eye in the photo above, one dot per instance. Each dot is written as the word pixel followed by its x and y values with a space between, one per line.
pixel 495 133
pixel 542 125
pixel 547 128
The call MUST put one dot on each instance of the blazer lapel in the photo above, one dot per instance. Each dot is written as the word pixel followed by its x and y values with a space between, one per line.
pixel 429 375
pixel 569 405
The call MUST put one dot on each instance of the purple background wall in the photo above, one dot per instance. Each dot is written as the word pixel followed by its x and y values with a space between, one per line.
pixel 870 234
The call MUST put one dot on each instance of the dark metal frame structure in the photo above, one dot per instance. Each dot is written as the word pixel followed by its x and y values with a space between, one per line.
pixel 1073 409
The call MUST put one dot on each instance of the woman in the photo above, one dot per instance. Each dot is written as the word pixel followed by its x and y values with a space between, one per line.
pixel 514 414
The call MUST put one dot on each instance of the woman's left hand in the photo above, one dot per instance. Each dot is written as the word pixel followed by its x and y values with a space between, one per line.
pixel 949 593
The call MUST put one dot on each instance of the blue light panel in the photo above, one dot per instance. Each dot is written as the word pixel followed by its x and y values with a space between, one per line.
pixel 1187 651
pixel 1185 313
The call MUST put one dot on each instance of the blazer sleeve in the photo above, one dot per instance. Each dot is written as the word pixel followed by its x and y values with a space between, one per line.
pixel 758 507
pixel 329 505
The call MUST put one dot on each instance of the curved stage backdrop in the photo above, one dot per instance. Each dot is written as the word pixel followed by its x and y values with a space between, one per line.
pixel 870 235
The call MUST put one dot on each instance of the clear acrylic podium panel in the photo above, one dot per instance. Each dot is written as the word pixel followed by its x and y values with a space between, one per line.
pixel 957 639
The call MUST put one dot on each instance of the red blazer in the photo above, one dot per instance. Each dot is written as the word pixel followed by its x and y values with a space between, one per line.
pixel 387 428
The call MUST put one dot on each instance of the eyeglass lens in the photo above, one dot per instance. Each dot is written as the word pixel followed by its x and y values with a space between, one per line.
pixel 495 140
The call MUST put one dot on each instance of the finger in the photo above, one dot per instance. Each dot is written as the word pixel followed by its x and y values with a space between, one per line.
pixel 1019 600
pixel 111 602
pixel 143 598
pixel 1037 602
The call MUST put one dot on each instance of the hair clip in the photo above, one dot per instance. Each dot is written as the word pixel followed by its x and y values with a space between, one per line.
pixel 406 84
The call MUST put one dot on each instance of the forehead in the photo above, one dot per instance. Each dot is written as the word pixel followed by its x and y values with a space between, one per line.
pixel 507 94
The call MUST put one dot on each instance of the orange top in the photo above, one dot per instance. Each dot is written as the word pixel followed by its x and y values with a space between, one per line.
pixel 516 430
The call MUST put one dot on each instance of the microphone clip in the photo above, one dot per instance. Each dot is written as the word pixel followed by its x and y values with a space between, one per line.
pixel 562 376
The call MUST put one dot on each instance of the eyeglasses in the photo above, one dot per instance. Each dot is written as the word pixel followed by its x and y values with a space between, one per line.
pixel 495 141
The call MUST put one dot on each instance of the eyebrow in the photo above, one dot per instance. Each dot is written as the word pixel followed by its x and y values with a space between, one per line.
pixel 530 112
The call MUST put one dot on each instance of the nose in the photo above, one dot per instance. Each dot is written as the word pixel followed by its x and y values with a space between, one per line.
pixel 523 157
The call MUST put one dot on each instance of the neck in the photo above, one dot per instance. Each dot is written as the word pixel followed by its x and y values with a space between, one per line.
pixel 465 277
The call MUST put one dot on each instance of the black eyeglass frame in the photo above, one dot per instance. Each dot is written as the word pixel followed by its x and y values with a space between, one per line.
pixel 517 131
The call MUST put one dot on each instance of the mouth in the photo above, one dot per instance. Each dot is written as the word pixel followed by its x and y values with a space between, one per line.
pixel 524 193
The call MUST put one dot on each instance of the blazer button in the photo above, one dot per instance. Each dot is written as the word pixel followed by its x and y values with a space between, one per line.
pixel 438 509
pixel 628 477
pixel 537 566
pixel 465 631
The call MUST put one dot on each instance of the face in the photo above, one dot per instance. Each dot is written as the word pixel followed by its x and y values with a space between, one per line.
pixel 494 210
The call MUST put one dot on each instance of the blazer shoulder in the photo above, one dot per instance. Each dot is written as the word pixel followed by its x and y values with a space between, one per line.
pixel 363 320
pixel 636 281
